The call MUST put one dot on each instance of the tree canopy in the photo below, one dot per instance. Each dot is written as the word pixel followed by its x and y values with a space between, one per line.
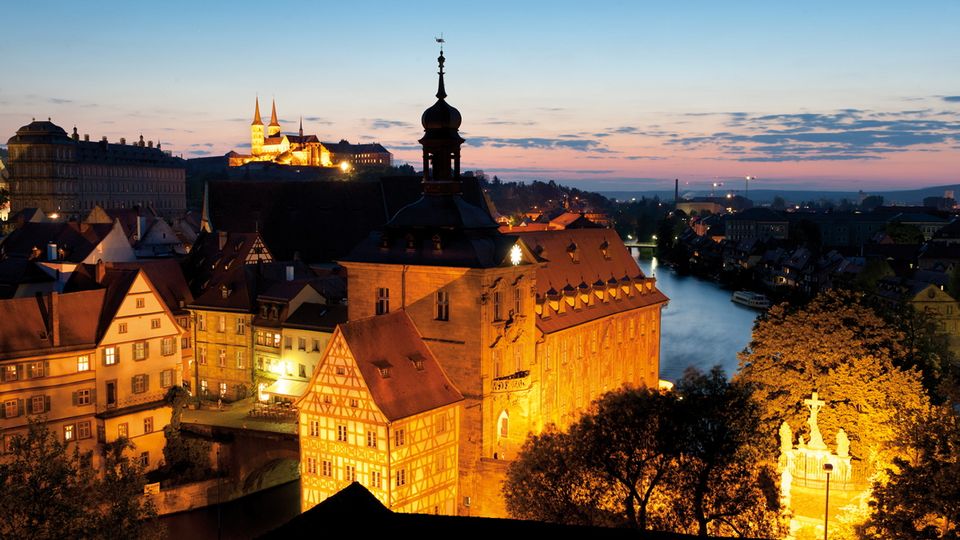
pixel 679 461
pixel 840 347
pixel 49 489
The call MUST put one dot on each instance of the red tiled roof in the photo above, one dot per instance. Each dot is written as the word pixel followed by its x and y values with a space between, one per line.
pixel 392 341
pixel 26 327
pixel 165 275
pixel 77 240
pixel 574 258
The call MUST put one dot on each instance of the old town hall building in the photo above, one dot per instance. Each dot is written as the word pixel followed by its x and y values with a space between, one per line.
pixel 477 338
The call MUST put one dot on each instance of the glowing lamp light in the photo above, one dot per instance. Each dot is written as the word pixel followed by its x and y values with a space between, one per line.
pixel 515 255
pixel 54 215
pixel 344 166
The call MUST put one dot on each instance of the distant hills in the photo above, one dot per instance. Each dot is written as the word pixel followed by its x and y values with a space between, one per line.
pixel 765 196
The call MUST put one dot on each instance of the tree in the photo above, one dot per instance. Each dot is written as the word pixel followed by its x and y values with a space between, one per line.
pixel 727 486
pixel 46 488
pixel 778 203
pixel 185 459
pixel 840 347
pixel 646 459
pixel 921 498
pixel 50 490
pixel 902 233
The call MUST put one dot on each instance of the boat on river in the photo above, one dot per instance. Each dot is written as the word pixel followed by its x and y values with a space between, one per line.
pixel 751 299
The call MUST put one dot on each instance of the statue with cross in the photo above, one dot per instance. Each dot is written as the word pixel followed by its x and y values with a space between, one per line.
pixel 816 439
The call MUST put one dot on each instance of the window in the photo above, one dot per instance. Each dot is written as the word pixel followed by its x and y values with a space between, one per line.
pixel 316 345
pixel 351 473
pixel 326 468
pixel 69 432
pixel 383 300
pixel 155 323
pixel 123 430
pixel 111 393
pixel 144 459
pixel 241 359
pixel 204 388
pixel 302 344
pixel 83 430
pixel 39 404
pixel 241 326
pixel 401 477
pixel 82 397
pixel 201 322
pixel 288 342
pixel 398 437
pixel 166 378
pixel 354 402
pixel 328 399
pixel 10 373
pixel 122 328
pixel 148 424
pixel 168 346
pixel 139 384
pixel 222 357
pixel 375 479
pixel 222 323
pixel 140 350
pixel 35 370
pixel 12 408
pixel 441 423
pixel 372 438
pixel 141 302
pixel 497 306
pixel 517 300
pixel 184 343
pixel 303 371
pixel 314 428
pixel 202 356
pixel 223 389
pixel 443 306
pixel 341 370
pixel 504 425
pixel 312 465
pixel 342 433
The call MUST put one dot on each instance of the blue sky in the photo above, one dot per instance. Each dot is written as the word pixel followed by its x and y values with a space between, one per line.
pixel 606 95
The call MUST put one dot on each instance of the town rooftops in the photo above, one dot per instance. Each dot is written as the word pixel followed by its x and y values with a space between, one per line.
pixel 401 373
pixel 37 325
pixel 345 147
pixel 758 214
pixel 165 275
pixel 73 241
pixel 318 317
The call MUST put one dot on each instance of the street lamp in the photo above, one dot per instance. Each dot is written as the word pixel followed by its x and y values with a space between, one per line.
pixel 827 468
pixel 746 183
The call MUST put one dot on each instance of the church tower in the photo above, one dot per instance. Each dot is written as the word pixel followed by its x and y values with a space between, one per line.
pixel 274 127
pixel 256 132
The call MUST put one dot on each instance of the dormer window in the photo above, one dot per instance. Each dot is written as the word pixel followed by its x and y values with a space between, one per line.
pixel 573 252
pixel 384 367
pixel 605 250
pixel 411 242
pixel 417 360
pixel 437 245
pixel 224 291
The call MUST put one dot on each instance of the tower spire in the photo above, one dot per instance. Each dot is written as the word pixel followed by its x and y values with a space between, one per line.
pixel 441 91
pixel 273 114
pixel 257 119
pixel 301 129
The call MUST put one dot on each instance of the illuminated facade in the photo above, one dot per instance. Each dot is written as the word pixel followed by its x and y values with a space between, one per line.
pixel 269 143
pixel 62 174
pixel 97 363
pixel 530 328
pixel 381 411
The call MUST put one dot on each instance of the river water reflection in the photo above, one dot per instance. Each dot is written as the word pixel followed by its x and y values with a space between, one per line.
pixel 700 327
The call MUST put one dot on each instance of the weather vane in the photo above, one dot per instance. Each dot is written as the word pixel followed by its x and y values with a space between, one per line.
pixel 441 41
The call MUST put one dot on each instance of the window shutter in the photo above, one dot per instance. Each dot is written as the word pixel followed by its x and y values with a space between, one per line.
pixel 146 349
pixel 93 396
pixel 20 407
pixel 133 384
pixel 146 383
pixel 74 399
pixel 30 405
pixel 103 357
pixel 46 403
pixel 46 369
pixel 3 410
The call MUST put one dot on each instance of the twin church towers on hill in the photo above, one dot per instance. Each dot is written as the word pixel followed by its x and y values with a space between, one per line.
pixel 269 143
pixel 462 341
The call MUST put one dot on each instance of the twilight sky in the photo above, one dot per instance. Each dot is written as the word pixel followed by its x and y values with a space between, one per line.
pixel 602 95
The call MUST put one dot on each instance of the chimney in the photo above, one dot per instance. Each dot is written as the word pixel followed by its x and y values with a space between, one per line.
pixel 123 140
pixel 222 239
pixel 86 137
pixel 51 251
pixel 101 271
pixel 289 272
pixel 55 318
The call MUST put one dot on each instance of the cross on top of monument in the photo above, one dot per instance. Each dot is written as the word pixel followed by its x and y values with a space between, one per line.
pixel 815 404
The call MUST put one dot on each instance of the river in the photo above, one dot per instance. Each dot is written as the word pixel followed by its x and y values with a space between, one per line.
pixel 700 327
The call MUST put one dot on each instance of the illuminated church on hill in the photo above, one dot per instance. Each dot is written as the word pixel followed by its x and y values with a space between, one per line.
pixel 269 143
pixel 462 337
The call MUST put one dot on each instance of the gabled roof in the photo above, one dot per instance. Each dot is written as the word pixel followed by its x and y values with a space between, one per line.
pixel 576 257
pixel 15 272
pixel 344 147
pixel 392 342
pixel 76 240
pixel 165 275
pixel 313 316
pixel 28 328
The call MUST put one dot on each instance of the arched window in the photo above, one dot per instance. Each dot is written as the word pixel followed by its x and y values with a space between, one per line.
pixel 503 424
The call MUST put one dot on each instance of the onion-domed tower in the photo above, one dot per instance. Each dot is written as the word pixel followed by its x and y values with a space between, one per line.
pixel 441 143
